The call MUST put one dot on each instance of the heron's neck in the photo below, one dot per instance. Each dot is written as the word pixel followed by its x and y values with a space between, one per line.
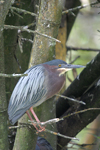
pixel 61 71
pixel 54 69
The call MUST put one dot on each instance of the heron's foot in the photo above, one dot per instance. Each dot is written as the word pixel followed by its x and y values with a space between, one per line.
pixel 41 129
pixel 38 121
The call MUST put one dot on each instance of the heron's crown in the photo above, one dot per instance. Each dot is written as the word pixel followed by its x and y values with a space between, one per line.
pixel 62 64
pixel 55 62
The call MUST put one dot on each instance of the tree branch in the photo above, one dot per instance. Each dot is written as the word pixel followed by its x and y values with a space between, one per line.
pixel 29 31
pixel 24 11
pixel 46 130
pixel 80 7
pixel 83 49
pixel 80 84
pixel 78 122
pixel 12 75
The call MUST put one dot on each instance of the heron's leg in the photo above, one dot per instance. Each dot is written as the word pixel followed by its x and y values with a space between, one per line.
pixel 35 116
pixel 42 129
pixel 31 119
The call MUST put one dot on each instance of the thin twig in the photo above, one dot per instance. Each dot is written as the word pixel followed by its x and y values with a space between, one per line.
pixel 24 39
pixel 17 61
pixel 24 11
pixel 29 31
pixel 46 130
pixel 97 7
pixel 57 119
pixel 61 135
pixel 51 121
pixel 18 15
pixel 80 7
pixel 72 99
pixel 47 36
pixel 74 59
pixel 69 79
pixel 80 48
pixel 60 119
pixel 79 145
pixel 12 75
pixel 16 127
pixel 30 25
pixel 20 43
pixel 78 112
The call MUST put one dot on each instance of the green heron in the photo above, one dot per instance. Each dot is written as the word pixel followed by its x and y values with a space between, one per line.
pixel 43 82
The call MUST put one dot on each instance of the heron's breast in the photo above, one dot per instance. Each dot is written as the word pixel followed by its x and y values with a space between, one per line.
pixel 54 84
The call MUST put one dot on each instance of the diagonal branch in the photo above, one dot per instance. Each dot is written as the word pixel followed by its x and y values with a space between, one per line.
pixel 84 80
pixel 24 11
pixel 80 7
pixel 78 122
pixel 88 85
pixel 29 31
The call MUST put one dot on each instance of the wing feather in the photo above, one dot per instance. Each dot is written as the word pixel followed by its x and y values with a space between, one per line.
pixel 27 93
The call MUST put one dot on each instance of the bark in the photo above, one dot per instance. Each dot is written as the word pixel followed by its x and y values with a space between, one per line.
pixel 11 49
pixel 76 123
pixel 61 47
pixel 86 84
pixel 4 7
pixel 86 78
pixel 3 102
pixel 42 51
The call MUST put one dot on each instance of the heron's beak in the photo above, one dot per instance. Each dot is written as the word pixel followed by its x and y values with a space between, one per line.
pixel 70 66
pixel 66 67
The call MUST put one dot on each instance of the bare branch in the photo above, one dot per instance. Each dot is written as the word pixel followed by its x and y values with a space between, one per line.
pixel 47 36
pixel 16 127
pixel 55 120
pixel 72 99
pixel 25 39
pixel 12 75
pixel 80 7
pixel 29 31
pixel 80 48
pixel 20 43
pixel 58 134
pixel 78 112
pixel 51 121
pixel 46 130
pixel 24 11
pixel 74 59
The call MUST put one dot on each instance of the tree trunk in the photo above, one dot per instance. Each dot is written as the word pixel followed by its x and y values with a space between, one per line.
pixel 86 86
pixel 4 6
pixel 42 51
pixel 12 51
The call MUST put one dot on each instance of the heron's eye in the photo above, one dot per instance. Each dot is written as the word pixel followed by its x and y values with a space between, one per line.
pixel 59 65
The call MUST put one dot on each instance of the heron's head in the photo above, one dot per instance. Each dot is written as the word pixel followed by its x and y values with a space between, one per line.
pixel 61 66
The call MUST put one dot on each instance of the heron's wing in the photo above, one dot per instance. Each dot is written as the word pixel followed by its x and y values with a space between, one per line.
pixel 28 91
